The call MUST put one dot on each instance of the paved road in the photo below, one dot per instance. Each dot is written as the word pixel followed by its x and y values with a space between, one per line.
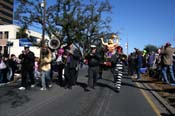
pixel 57 101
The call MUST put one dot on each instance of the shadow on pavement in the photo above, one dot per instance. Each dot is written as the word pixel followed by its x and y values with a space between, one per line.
pixel 135 86
pixel 15 98
pixel 82 85
pixel 107 86
pixel 107 80
pixel 126 77
pixel 132 85
pixel 163 114
pixel 145 81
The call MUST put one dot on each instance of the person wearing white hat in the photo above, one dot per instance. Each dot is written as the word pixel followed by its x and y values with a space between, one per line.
pixel 93 63
pixel 93 46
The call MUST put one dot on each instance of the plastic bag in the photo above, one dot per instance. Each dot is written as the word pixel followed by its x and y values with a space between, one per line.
pixel 3 65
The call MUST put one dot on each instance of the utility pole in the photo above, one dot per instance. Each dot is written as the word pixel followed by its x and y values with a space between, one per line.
pixel 127 50
pixel 43 5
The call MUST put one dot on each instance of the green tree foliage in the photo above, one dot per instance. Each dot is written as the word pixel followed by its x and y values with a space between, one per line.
pixel 22 32
pixel 80 21
pixel 150 48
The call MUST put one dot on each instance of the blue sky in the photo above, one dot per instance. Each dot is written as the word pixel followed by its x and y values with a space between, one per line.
pixel 144 21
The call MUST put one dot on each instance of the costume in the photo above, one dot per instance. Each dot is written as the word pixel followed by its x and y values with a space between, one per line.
pixel 117 69
pixel 110 45
pixel 61 66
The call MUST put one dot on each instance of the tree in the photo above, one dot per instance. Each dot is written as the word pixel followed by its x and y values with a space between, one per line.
pixel 76 20
pixel 22 32
pixel 150 48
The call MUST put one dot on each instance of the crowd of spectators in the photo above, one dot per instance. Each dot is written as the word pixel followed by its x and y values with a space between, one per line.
pixel 159 64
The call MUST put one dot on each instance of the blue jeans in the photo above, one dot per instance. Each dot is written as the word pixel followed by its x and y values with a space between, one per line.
pixel 138 73
pixel 164 72
pixel 45 75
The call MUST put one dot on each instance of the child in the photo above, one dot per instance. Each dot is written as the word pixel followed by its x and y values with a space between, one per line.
pixel 36 72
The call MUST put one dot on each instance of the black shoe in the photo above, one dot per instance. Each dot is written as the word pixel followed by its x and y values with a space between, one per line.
pixel 87 89
pixel 99 77
pixel 93 87
pixel 65 87
pixel 69 87
pixel 117 89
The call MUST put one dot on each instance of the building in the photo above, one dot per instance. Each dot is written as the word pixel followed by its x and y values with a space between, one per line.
pixel 6 12
pixel 8 34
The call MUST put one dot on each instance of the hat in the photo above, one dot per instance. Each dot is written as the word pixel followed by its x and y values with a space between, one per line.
pixel 119 49
pixel 168 44
pixel 26 46
pixel 113 36
pixel 69 43
pixel 110 41
pixel 93 46
pixel 60 51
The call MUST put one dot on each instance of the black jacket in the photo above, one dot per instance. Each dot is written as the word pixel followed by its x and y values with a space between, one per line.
pixel 74 58
pixel 93 59
pixel 116 58
pixel 28 61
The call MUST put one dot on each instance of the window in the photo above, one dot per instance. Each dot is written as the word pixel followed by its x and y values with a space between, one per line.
pixel 6 51
pixel 9 1
pixel 1 35
pixel 7 14
pixel 6 35
pixel 7 7
pixel 6 20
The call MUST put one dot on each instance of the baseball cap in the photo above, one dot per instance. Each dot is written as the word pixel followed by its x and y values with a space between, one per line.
pixel 26 46
pixel 93 46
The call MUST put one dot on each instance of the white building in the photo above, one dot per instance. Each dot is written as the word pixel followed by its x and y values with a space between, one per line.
pixel 8 34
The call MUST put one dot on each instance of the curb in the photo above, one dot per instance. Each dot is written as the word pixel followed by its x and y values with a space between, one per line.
pixel 168 107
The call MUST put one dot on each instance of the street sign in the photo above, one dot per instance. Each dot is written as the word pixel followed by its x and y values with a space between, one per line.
pixel 27 42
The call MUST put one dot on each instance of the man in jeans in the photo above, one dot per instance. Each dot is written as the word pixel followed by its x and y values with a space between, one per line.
pixel 167 60
pixel 27 69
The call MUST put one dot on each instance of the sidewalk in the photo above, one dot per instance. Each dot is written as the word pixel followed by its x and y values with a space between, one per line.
pixel 17 78
pixel 165 93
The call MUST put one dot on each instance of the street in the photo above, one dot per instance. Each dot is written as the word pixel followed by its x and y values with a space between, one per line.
pixel 57 101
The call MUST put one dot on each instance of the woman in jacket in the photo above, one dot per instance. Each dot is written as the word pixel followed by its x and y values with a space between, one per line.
pixel 45 67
